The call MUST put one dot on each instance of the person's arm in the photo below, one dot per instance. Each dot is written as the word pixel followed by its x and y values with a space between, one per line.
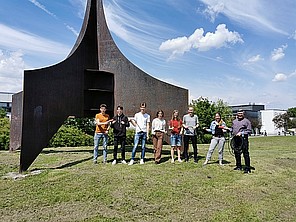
pixel 197 122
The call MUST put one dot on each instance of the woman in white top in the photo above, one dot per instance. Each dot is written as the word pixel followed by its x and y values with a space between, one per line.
pixel 158 131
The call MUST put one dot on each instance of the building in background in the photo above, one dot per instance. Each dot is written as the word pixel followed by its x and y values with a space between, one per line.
pixel 6 102
pixel 268 125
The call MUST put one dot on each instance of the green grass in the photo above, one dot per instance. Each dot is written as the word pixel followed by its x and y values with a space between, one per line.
pixel 71 188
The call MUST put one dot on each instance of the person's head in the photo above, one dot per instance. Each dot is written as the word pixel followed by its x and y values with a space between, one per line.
pixel 143 107
pixel 190 110
pixel 175 114
pixel 103 108
pixel 217 117
pixel 159 114
pixel 240 114
pixel 119 110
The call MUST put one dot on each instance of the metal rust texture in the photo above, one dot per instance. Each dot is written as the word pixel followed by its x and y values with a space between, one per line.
pixel 94 72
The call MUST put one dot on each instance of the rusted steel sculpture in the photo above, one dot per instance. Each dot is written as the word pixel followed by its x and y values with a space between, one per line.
pixel 94 72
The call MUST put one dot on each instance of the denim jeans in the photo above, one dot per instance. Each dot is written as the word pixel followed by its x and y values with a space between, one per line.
pixel 138 136
pixel 97 139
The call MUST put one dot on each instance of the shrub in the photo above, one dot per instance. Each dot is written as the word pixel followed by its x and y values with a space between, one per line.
pixel 70 136
pixel 4 133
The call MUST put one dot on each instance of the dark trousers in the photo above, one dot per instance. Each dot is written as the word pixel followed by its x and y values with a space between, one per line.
pixel 186 146
pixel 119 140
pixel 245 151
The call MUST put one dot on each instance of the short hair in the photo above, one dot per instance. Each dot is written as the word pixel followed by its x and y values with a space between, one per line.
pixel 120 107
pixel 103 105
pixel 241 111
pixel 143 105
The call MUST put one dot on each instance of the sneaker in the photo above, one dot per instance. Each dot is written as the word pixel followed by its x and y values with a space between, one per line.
pixel 172 161
pixel 221 163
pixel 131 162
pixel 180 161
pixel 123 161
pixel 237 168
pixel 195 161
pixel 95 161
pixel 141 161
pixel 114 162
pixel 104 161
pixel 247 170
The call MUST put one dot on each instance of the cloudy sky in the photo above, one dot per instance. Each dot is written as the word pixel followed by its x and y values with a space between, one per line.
pixel 239 51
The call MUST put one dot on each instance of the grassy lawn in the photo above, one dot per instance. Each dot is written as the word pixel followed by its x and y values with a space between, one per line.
pixel 71 188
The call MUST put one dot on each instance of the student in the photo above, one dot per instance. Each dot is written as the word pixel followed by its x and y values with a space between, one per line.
pixel 175 126
pixel 217 129
pixel 119 124
pixel 158 130
pixel 241 128
pixel 102 126
pixel 190 123
pixel 142 123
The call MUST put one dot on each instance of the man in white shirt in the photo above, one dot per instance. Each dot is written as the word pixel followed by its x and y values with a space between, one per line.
pixel 142 123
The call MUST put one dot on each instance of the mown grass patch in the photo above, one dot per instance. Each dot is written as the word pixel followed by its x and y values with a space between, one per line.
pixel 72 188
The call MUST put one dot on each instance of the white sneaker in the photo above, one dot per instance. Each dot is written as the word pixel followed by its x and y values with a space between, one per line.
pixel 131 162
pixel 172 161
pixel 141 161
pixel 123 161
pixel 114 162
pixel 180 161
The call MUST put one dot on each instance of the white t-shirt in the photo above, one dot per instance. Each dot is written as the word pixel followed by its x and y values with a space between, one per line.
pixel 141 121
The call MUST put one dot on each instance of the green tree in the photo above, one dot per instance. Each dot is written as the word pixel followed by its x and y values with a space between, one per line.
pixel 205 110
pixel 4 130
pixel 292 112
pixel 281 120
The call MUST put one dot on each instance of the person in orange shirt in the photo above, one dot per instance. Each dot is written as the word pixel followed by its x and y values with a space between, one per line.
pixel 102 126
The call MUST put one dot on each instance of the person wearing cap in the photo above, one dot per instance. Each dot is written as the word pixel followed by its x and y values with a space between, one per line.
pixel 119 124
pixel 241 127
pixel 102 120
pixel 190 123
pixel 142 123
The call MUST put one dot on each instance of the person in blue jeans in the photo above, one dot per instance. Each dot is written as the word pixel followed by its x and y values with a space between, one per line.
pixel 175 126
pixel 142 123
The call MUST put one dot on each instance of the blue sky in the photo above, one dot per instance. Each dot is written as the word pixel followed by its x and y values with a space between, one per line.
pixel 239 51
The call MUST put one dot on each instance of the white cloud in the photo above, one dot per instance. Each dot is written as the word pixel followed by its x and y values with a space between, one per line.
pixel 213 10
pixel 80 5
pixel 255 58
pixel 278 53
pixel 42 7
pixel 18 39
pixel 12 66
pixel 280 77
pixel 222 37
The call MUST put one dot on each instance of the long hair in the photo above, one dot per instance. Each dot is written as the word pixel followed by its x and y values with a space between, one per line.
pixel 221 121
pixel 177 118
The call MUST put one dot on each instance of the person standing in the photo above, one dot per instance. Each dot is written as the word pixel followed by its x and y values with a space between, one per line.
pixel 158 130
pixel 102 120
pixel 175 126
pixel 217 129
pixel 119 124
pixel 241 128
pixel 190 123
pixel 142 123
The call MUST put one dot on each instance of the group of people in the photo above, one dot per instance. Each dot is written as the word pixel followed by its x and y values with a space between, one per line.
pixel 181 130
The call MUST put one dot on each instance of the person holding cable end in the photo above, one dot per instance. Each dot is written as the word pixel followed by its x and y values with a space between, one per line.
pixel 102 126
pixel 119 124
pixel 241 129
pixel 190 123
pixel 158 129
pixel 142 123
pixel 217 129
